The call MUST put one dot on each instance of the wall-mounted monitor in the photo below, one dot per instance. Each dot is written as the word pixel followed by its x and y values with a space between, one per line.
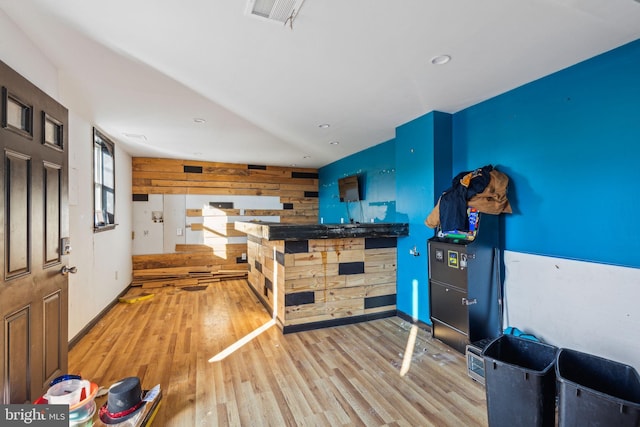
pixel 349 189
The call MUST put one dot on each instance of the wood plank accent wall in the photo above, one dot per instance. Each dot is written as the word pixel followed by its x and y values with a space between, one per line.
pixel 297 189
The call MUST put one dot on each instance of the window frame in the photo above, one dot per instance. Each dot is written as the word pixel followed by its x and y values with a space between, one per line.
pixel 26 111
pixel 58 129
pixel 102 218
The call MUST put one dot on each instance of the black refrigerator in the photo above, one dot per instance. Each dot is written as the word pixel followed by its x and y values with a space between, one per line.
pixel 465 285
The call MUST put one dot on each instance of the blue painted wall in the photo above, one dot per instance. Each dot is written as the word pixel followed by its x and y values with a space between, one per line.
pixel 400 178
pixel 570 143
pixel 377 166
pixel 423 158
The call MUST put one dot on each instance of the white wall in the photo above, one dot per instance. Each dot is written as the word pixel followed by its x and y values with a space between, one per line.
pixel 175 218
pixel 589 307
pixel 100 256
pixel 154 238
pixel 103 259
pixel 148 235
pixel 19 52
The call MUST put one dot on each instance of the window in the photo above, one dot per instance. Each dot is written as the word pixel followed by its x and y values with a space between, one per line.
pixel 104 182
pixel 52 132
pixel 17 115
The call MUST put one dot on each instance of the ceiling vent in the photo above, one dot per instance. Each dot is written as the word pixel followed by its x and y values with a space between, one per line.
pixel 275 10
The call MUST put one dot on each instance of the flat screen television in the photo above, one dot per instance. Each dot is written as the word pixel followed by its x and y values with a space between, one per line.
pixel 349 189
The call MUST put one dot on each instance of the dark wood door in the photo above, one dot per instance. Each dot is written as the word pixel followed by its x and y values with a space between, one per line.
pixel 34 229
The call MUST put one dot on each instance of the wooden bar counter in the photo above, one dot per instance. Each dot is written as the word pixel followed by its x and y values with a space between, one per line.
pixel 318 275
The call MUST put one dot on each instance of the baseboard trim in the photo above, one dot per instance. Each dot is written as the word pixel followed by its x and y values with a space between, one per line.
pixel 337 322
pixel 418 323
pixel 96 319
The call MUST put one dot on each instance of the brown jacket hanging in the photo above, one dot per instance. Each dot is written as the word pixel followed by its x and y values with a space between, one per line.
pixel 493 200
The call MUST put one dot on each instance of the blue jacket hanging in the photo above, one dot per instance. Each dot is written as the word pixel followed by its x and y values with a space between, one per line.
pixel 453 202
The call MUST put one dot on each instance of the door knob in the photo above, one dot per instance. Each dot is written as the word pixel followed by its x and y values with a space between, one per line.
pixel 66 269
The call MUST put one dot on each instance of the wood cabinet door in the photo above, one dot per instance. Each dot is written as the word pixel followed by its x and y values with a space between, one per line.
pixel 34 221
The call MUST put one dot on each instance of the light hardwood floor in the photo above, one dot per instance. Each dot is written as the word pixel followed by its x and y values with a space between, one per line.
pixel 347 375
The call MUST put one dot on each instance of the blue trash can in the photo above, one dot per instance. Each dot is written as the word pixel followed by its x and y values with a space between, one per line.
pixel 520 382
pixel 594 391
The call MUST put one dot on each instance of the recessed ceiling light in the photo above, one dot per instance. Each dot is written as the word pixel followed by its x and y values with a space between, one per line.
pixel 334 142
pixel 324 125
pixel 440 59
pixel 306 157
pixel 199 120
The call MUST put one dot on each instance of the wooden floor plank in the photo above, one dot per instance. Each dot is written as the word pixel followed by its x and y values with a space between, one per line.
pixel 347 375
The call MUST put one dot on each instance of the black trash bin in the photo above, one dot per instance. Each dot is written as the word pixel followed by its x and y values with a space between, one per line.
pixel 520 382
pixel 594 391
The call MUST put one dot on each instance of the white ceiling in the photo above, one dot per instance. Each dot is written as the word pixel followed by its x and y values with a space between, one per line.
pixel 149 67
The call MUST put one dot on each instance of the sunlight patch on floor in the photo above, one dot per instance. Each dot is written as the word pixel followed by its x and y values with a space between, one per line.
pixel 408 351
pixel 241 342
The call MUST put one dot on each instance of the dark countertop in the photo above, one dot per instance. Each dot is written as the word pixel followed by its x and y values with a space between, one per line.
pixel 278 231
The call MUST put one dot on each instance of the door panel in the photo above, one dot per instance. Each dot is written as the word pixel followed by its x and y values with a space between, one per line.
pixel 16 355
pixel 51 175
pixel 52 336
pixel 17 219
pixel 33 222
